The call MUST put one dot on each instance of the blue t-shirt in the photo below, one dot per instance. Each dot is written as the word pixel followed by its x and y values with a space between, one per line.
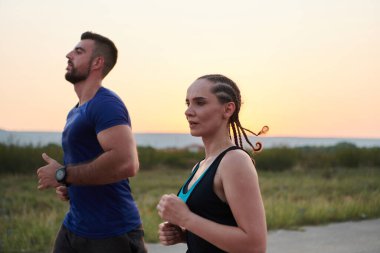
pixel 98 211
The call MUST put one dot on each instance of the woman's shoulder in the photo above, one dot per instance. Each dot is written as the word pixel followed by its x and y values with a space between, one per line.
pixel 237 165
pixel 238 152
pixel 237 158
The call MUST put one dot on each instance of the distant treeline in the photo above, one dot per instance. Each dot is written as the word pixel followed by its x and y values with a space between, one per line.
pixel 342 155
pixel 26 159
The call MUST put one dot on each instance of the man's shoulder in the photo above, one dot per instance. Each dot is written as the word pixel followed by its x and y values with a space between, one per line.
pixel 105 95
pixel 103 91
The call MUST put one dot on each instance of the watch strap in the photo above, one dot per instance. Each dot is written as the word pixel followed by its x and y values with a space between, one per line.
pixel 62 180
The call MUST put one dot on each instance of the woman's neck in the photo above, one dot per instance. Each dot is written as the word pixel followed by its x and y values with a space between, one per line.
pixel 214 146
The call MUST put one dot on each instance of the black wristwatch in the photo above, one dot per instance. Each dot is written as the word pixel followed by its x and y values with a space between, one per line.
pixel 61 175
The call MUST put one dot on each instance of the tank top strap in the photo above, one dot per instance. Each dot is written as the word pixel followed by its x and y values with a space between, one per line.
pixel 184 193
pixel 216 162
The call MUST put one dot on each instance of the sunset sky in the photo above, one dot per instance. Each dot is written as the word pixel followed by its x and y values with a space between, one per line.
pixel 305 68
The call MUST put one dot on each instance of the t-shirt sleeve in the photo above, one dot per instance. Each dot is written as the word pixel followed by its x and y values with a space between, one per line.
pixel 108 112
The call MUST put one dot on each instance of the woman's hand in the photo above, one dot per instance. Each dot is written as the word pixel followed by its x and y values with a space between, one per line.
pixel 173 209
pixel 170 234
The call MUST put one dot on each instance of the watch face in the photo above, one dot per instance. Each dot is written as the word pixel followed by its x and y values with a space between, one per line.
pixel 60 174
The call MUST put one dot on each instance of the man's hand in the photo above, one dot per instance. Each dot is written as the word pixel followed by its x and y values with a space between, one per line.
pixel 46 174
pixel 62 193
pixel 170 234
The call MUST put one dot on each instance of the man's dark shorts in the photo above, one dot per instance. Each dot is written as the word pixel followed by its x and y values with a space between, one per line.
pixel 131 242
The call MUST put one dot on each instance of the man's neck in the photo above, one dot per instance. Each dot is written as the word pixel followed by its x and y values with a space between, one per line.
pixel 86 90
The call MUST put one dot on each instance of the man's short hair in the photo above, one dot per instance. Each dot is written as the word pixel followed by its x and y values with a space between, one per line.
pixel 103 47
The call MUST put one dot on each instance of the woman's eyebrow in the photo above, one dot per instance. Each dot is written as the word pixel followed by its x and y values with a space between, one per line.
pixel 196 99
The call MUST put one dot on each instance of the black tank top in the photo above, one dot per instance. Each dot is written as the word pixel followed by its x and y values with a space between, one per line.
pixel 204 202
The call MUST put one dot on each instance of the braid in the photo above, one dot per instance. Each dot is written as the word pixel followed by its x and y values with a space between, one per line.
pixel 239 134
pixel 226 91
pixel 258 146
pixel 235 134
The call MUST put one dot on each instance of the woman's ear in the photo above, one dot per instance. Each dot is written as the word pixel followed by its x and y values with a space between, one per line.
pixel 229 109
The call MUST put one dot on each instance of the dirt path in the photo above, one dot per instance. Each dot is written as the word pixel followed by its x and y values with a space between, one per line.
pixel 345 237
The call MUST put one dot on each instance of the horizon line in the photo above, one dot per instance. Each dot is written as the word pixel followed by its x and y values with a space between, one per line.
pixel 249 135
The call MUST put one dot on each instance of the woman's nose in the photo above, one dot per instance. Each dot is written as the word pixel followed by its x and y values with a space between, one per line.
pixel 189 111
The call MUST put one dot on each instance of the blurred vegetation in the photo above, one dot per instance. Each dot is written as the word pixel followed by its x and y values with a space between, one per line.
pixel 30 219
pixel 16 159
pixel 300 186
pixel 344 155
pixel 26 159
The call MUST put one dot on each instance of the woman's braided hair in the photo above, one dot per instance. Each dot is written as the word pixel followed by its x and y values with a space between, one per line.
pixel 226 91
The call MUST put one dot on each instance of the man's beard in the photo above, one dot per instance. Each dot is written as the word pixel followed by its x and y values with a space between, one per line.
pixel 75 77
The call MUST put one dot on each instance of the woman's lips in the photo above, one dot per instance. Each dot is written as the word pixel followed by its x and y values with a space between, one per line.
pixel 192 124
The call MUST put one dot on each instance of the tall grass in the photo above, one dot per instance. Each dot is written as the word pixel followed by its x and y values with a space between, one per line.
pixel 300 186
pixel 299 198
pixel 30 219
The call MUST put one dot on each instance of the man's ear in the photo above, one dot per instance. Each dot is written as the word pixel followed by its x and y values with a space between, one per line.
pixel 229 109
pixel 98 63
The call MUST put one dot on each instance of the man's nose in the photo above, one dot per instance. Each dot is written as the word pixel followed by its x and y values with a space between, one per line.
pixel 69 55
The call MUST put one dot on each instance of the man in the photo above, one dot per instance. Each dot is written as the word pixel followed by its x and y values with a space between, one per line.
pixel 99 156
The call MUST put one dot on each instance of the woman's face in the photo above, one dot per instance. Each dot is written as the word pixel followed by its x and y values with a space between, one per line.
pixel 205 114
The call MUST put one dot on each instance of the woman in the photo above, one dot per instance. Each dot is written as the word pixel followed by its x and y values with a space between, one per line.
pixel 219 208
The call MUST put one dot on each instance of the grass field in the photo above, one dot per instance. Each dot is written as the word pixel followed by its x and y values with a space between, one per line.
pixel 29 219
